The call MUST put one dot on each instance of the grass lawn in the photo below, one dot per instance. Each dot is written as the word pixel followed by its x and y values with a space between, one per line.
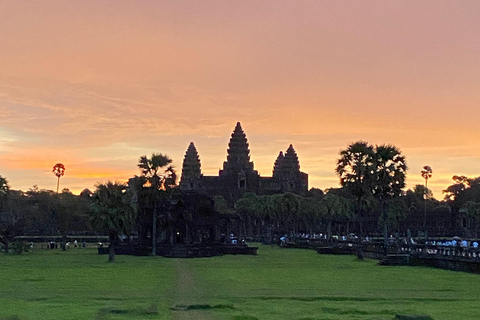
pixel 277 284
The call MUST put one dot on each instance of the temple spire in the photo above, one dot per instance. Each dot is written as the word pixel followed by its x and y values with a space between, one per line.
pixel 290 164
pixel 277 167
pixel 238 153
pixel 191 164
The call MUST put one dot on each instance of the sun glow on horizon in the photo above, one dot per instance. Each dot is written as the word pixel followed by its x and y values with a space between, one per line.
pixel 96 86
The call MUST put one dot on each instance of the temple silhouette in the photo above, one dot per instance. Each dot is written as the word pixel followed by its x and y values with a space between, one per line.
pixel 238 175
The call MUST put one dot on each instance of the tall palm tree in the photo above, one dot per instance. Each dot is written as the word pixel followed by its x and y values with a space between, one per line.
pixel 160 176
pixel 112 212
pixel 390 173
pixel 426 174
pixel 356 168
pixel 59 171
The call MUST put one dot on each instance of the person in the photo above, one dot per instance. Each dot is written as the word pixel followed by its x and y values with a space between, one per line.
pixel 283 240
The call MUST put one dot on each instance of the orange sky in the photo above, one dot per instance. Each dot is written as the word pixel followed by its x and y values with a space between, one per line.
pixel 95 85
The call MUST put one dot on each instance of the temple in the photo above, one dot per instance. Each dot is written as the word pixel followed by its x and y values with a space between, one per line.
pixel 238 175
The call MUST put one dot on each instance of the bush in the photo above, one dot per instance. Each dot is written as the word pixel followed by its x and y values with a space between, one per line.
pixel 19 247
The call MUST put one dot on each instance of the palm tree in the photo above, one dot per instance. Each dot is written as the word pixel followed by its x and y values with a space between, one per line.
pixel 426 174
pixel 390 174
pixel 59 171
pixel 112 212
pixel 356 168
pixel 160 176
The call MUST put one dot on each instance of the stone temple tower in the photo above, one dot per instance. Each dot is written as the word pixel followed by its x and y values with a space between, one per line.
pixel 238 153
pixel 238 175
pixel 191 169
pixel 286 171
pixel 238 169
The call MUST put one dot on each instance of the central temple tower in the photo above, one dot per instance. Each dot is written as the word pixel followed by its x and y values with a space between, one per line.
pixel 238 175
pixel 238 169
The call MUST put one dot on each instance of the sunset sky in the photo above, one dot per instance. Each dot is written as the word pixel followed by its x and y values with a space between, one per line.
pixel 96 84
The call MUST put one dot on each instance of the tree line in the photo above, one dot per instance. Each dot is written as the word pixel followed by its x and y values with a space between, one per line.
pixel 370 201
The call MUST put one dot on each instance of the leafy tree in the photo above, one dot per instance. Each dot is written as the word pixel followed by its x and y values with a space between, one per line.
pixel 287 209
pixel 71 214
pixel 247 208
pixel 422 192
pixel 334 208
pixel 397 211
pixel 112 212
pixel 11 220
pixel 221 205
pixel 12 225
pixel 458 194
pixel 472 210
pixel 266 217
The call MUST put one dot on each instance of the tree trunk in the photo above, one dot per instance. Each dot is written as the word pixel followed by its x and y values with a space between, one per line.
pixel 385 228
pixel 64 242
pixel 154 230
pixel 259 232
pixel 360 253
pixel 111 248
pixel 329 231
pixel 6 244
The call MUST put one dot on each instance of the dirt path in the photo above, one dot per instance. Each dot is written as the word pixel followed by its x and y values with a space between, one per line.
pixel 187 294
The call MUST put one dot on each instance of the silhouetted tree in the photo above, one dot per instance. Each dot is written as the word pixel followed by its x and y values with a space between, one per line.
pixel 112 212
pixel 71 214
pixel 457 195
pixel 390 170
pixel 355 167
pixel 333 207
pixel 426 174
pixel 11 220
pixel 59 171
pixel 472 210
pixel 161 177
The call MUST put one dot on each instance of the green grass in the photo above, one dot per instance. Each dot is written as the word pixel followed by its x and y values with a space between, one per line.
pixel 276 284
